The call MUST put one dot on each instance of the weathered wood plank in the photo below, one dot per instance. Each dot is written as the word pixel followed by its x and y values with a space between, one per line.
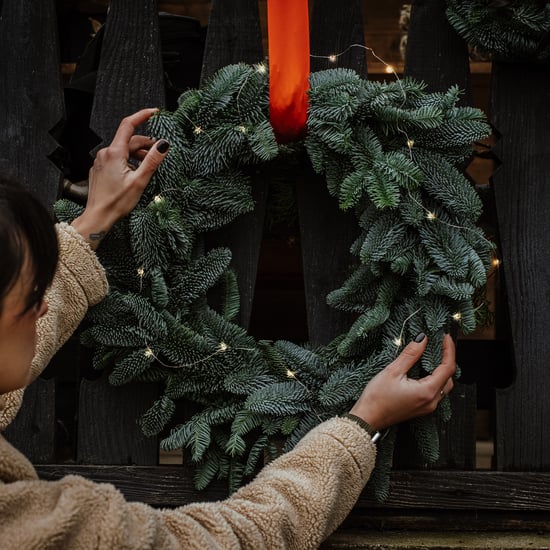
pixel 31 106
pixel 234 35
pixel 108 432
pixel 326 232
pixel 337 29
pixel 31 99
pixel 33 430
pixel 436 540
pixel 410 490
pixel 438 56
pixel 412 519
pixel 130 75
pixel 519 108
pixel 435 52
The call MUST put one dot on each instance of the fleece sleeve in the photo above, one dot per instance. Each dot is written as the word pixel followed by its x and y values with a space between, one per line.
pixel 79 282
pixel 294 503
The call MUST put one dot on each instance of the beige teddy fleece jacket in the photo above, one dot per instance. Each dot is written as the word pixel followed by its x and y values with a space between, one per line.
pixel 295 502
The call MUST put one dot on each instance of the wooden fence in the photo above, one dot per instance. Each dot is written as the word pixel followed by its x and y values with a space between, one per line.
pixel 109 445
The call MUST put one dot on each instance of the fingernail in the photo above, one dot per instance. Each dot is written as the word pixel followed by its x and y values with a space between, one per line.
pixel 420 337
pixel 162 146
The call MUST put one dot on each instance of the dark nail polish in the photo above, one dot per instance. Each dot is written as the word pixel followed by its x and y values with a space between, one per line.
pixel 162 146
pixel 420 337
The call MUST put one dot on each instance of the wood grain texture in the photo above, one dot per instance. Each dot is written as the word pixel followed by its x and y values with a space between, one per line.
pixel 519 106
pixel 410 490
pixel 33 430
pixel 31 99
pixel 130 74
pixel 130 77
pixel 337 29
pixel 326 232
pixel 439 57
pixel 234 36
pixel 108 430
pixel 435 52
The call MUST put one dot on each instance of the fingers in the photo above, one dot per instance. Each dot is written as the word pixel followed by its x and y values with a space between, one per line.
pixel 139 143
pixel 128 126
pixel 151 161
pixel 445 370
pixel 410 355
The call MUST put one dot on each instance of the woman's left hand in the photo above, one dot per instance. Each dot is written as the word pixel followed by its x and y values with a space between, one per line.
pixel 115 187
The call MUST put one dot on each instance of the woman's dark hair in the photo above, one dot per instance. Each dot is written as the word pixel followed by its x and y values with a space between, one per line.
pixel 26 232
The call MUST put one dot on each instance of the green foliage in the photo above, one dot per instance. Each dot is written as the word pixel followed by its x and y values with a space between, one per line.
pixel 510 30
pixel 388 152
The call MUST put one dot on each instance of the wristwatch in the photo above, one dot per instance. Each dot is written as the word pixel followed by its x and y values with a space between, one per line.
pixel 374 434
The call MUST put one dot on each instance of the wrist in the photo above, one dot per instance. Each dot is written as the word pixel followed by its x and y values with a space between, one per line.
pixel 92 230
pixel 368 416
pixel 373 432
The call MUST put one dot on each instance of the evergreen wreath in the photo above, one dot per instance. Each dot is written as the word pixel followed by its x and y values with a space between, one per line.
pixel 511 30
pixel 389 151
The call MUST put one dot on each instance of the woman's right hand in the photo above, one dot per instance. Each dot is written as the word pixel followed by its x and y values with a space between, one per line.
pixel 114 187
pixel 392 397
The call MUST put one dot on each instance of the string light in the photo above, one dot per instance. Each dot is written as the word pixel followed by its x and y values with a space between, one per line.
pixel 290 374
pixel 197 130
pixel 431 216
pixel 410 143
pixel 148 352
pixel 223 347
pixel 389 69
pixel 242 129
pixel 158 199
pixel 140 272
pixel 496 262
pixel 260 68
pixel 457 316
pixel 399 340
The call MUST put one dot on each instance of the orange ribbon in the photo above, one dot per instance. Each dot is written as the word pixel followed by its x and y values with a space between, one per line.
pixel 288 32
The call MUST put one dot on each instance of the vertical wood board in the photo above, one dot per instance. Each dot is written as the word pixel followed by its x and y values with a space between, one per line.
pixel 108 430
pixel 519 110
pixel 130 77
pixel 130 74
pixel 33 429
pixel 326 232
pixel 337 29
pixel 234 36
pixel 31 100
pixel 439 57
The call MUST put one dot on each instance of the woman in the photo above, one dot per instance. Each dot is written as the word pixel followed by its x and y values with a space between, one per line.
pixel 295 502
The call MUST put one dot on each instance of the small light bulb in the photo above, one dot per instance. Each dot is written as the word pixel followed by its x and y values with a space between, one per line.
pixel 496 262
pixel 410 143
pixel 148 352
pixel 158 199
pixel 389 69
pixel 430 216
pixel 332 58
pixel 223 347
pixel 140 272
pixel 260 68
pixel 397 342
pixel 197 130
pixel 242 129
pixel 290 374
pixel 457 316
